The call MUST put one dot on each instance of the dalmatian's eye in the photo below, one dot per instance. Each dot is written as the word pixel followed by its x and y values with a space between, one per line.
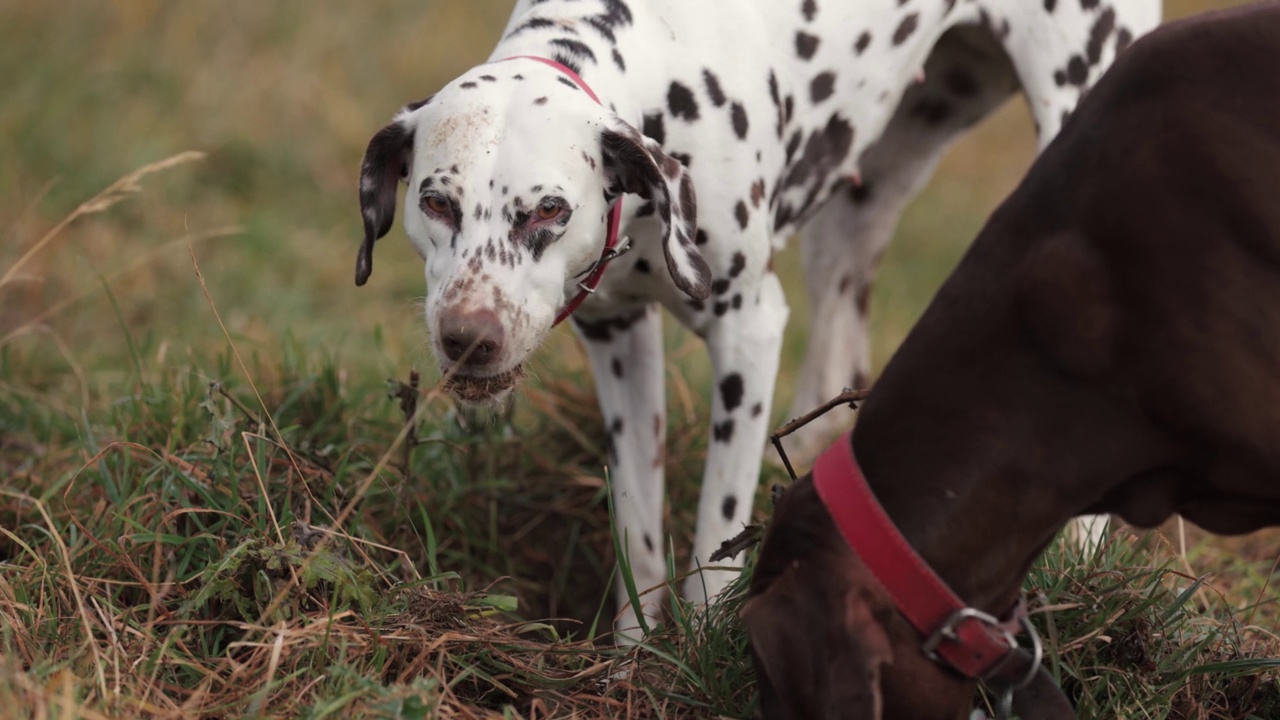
pixel 436 205
pixel 549 210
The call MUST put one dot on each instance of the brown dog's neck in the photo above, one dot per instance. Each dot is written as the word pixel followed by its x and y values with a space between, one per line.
pixel 980 445
pixel 977 527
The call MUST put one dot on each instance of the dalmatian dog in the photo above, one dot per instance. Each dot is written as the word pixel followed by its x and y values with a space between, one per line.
pixel 722 129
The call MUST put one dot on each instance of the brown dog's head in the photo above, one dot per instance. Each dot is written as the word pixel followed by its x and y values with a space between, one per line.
pixel 825 638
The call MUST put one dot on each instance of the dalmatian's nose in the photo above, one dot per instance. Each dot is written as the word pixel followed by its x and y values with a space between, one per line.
pixel 472 337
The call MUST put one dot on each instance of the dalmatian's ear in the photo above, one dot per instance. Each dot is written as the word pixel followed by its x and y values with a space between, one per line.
pixel 386 163
pixel 636 164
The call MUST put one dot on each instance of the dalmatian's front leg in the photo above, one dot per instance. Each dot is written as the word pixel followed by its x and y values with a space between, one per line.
pixel 744 344
pixel 626 357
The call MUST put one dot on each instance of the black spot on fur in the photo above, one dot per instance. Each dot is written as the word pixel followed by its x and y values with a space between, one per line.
pixel 576 48
pixel 863 300
pixel 720 286
pixel 680 102
pixel 1098 34
pixel 713 88
pixel 777 101
pixel 541 101
pixel 1124 39
pixel 654 129
pixel 619 61
pixel 648 543
pixel 784 215
pixel 700 237
pixel 905 28
pixel 533 24
pixel 1077 71
pixel 642 266
pixel 617 368
pixel 757 409
pixel 806 45
pixel 723 432
pixel 616 13
pixel 793 144
pixel 809 9
pixel 603 330
pixel 1049 5
pixel 738 264
pixel 739 115
pixel 864 40
pixel 564 80
pixel 823 152
pixel 731 389
pixel 605 29
pixel 468 85
pixel 822 86
pixel 720 308
pixel 728 506
pixel 419 103
pixel 615 427
pixel 742 214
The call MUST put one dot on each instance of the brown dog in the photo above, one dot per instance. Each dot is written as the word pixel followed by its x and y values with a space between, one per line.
pixel 1109 344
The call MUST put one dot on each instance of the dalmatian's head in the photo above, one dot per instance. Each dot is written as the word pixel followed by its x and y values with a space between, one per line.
pixel 511 171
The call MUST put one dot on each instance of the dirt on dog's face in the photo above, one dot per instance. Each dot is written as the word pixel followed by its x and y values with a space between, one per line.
pixel 502 223
pixel 511 172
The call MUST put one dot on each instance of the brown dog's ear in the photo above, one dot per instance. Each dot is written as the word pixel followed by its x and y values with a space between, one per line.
pixel 386 163
pixel 816 654
pixel 636 164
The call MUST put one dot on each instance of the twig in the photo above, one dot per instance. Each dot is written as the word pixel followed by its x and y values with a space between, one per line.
pixel 408 397
pixel 744 540
pixel 221 389
pixel 848 396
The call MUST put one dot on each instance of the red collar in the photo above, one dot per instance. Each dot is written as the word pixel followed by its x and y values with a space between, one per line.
pixel 969 640
pixel 611 247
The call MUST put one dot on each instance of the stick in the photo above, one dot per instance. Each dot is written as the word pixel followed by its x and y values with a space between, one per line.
pixel 408 396
pixel 851 397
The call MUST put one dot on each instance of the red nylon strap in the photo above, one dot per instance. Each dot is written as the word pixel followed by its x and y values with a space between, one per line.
pixel 615 213
pixel 920 595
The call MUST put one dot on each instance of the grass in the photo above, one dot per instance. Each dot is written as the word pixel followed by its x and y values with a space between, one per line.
pixel 205 504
